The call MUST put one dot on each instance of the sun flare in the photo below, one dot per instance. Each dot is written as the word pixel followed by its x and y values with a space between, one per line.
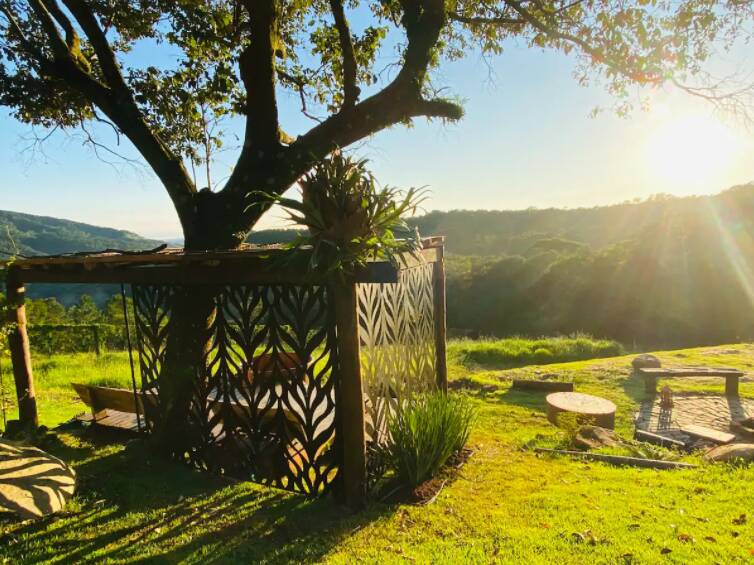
pixel 691 151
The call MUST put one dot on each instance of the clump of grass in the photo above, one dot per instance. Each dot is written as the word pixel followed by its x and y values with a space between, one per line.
pixel 520 351
pixel 425 433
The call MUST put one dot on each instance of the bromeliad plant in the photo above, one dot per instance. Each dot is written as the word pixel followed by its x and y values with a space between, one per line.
pixel 349 218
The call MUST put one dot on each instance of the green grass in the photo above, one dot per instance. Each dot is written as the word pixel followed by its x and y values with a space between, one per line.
pixel 518 351
pixel 508 504
pixel 53 375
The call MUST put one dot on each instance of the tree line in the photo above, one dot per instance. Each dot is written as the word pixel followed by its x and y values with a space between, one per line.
pixel 680 274
pixel 82 326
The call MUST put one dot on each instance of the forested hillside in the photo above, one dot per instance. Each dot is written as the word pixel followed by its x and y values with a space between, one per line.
pixel 669 271
pixel 511 232
pixel 666 271
pixel 26 234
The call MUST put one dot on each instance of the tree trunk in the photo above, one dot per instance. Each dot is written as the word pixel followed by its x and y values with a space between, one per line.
pixel 183 373
pixel 220 222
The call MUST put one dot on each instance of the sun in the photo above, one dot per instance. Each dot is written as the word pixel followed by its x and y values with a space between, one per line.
pixel 690 152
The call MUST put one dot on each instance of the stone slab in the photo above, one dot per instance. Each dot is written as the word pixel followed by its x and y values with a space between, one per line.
pixel 33 483
pixel 708 433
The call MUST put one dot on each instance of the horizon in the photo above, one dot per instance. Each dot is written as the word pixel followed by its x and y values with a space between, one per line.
pixel 426 212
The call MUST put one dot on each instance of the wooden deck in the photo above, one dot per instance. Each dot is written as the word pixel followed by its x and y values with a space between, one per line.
pixel 113 419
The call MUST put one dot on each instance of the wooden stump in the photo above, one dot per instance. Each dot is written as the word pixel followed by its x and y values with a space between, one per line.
pixel 588 409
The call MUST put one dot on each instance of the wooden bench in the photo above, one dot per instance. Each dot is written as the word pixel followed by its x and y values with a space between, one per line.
pixel 101 399
pixel 731 377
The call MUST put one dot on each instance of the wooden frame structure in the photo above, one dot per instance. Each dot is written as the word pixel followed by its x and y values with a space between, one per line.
pixel 374 363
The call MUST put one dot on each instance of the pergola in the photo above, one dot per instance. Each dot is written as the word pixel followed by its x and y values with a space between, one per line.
pixel 304 366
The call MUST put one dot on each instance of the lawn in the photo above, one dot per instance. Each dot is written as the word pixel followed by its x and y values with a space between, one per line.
pixel 507 504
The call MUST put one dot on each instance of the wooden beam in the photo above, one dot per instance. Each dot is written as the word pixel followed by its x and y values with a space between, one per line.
pixel 441 330
pixel 350 398
pixel 250 266
pixel 18 341
pixel 245 272
pixel 662 441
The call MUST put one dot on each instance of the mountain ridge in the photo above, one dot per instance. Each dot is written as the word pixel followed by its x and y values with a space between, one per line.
pixel 31 234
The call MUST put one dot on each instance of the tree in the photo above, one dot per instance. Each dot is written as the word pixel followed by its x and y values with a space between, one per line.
pixel 46 311
pixel 85 312
pixel 65 64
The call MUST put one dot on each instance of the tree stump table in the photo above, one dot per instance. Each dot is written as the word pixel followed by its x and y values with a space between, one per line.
pixel 587 408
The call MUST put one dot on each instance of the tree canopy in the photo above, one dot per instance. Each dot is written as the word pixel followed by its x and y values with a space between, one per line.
pixel 69 63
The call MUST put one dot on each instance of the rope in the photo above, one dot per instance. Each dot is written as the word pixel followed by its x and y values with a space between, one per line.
pixel 130 355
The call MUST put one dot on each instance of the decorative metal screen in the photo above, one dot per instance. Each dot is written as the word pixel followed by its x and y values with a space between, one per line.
pixel 396 334
pixel 263 398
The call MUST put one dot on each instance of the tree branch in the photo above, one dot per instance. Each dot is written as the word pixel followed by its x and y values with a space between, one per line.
pixel 351 90
pixel 71 37
pixel 735 101
pixel 261 145
pixel 114 99
pixel 596 54
pixel 299 84
pixel 59 47
pixel 400 101
pixel 257 66
pixel 105 55
pixel 481 20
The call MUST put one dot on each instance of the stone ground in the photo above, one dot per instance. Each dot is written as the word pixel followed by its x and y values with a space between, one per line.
pixel 709 410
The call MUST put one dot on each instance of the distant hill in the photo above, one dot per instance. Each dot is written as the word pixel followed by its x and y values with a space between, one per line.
pixel 666 271
pixel 521 232
pixel 27 234
pixel 504 232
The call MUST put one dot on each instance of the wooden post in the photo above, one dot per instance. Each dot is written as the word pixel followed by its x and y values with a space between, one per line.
pixel 441 363
pixel 20 354
pixel 95 337
pixel 350 398
pixel 731 385
pixel 650 384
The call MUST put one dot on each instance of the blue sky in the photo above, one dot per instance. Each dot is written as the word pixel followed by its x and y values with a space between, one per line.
pixel 527 140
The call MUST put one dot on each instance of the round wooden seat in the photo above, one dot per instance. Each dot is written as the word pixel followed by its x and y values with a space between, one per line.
pixel 589 409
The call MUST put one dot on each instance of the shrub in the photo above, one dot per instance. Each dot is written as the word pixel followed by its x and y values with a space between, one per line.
pixel 542 355
pixel 425 433
pixel 518 351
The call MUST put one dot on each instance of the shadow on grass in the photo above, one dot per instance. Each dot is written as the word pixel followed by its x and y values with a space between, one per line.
pixel 524 399
pixel 633 386
pixel 499 393
pixel 134 507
